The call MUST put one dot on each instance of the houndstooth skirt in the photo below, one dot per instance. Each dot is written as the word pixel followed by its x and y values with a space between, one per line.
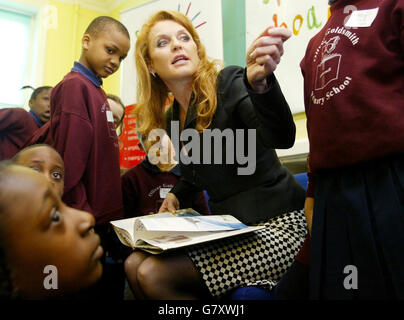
pixel 259 258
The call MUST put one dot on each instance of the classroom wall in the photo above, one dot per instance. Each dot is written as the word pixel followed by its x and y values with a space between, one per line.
pixel 63 43
pixel 113 83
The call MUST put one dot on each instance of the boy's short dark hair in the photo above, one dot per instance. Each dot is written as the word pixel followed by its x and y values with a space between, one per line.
pixel 14 159
pixel 100 23
pixel 36 91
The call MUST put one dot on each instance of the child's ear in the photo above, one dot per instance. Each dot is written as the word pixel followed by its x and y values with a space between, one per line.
pixel 85 41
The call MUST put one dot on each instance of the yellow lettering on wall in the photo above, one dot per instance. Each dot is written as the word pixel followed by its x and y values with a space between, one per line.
pixel 300 19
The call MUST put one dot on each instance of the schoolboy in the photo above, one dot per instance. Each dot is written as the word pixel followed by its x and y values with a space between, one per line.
pixel 17 125
pixel 39 104
pixel 38 231
pixel 46 160
pixel 82 128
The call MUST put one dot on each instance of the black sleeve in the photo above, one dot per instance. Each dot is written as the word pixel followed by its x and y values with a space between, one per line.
pixel 266 112
pixel 185 190
pixel 277 125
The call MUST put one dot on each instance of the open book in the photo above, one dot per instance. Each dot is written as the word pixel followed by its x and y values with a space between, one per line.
pixel 163 231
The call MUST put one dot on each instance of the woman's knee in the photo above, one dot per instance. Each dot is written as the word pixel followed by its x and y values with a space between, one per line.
pixel 150 271
pixel 132 264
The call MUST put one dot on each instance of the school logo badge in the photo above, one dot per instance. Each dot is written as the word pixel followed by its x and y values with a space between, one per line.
pixel 328 69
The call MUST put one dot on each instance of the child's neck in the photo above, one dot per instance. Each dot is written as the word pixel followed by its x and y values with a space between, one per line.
pixel 84 62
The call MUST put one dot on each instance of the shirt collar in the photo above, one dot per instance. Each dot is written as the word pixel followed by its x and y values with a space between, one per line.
pixel 36 118
pixel 96 80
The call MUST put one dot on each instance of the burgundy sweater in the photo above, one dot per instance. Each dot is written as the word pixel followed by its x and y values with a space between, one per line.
pixel 87 141
pixel 354 87
pixel 40 136
pixel 16 127
pixel 144 187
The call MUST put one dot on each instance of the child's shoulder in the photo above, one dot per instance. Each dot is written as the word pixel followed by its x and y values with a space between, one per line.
pixel 14 114
pixel 74 86
pixel 73 80
pixel 133 172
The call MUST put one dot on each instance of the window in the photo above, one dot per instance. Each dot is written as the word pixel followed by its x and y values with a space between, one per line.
pixel 15 43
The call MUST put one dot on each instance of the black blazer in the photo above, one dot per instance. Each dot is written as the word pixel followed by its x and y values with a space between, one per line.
pixel 270 190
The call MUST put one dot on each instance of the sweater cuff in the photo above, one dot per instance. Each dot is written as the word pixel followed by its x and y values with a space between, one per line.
pixel 271 81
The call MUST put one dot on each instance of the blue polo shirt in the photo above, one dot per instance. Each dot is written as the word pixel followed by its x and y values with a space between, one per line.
pixel 36 118
pixel 78 67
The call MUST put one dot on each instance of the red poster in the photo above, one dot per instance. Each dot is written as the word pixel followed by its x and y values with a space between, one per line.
pixel 129 152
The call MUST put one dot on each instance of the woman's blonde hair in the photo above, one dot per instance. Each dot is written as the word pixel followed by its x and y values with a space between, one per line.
pixel 152 93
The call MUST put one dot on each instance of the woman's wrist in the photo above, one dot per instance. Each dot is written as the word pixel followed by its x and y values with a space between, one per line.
pixel 259 86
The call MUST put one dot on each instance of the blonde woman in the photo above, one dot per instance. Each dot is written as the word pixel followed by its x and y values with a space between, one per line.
pixel 245 104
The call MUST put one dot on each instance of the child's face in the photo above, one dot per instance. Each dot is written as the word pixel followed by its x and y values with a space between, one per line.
pixel 46 161
pixel 104 52
pixel 117 111
pixel 39 230
pixel 162 154
pixel 41 105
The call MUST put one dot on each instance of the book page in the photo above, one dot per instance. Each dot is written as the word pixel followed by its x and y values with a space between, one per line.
pixel 193 223
pixel 172 240
pixel 129 230
pixel 124 230
pixel 158 232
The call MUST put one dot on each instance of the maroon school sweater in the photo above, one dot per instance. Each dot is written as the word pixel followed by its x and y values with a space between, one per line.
pixel 354 86
pixel 16 127
pixel 144 186
pixel 40 136
pixel 88 143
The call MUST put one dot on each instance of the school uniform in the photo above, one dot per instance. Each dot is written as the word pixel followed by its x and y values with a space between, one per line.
pixel 83 132
pixel 36 118
pixel 354 96
pixel 16 127
pixel 40 136
pixel 145 186
pixel 267 196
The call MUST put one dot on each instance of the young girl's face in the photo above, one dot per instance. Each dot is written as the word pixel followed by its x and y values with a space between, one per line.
pixel 39 230
pixel 46 161
pixel 117 111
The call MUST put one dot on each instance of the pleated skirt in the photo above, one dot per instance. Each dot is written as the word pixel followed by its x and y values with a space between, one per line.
pixel 357 247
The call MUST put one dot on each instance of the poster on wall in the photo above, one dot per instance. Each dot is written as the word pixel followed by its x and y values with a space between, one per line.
pixel 206 16
pixel 304 18
pixel 130 153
